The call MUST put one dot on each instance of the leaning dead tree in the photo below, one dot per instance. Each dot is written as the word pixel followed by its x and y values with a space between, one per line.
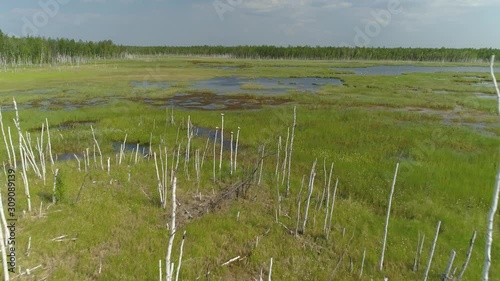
pixel 3 243
pixel 5 140
pixel 431 255
pixel 496 193
pixel 22 153
pixel 381 265
pixel 98 147
pixel 291 149
pixel 309 194
pixel 467 259
pixel 492 72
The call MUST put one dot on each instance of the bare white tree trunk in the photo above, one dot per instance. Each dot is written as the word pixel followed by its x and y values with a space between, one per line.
pixel 172 121
pixel 197 168
pixel 418 252
pixel 30 155
pixel 161 275
pixel 426 274
pixel 4 221
pixel 221 142
pixel 42 154
pixel 12 147
pixel 270 270
pixel 5 138
pixel 109 164
pixel 291 150
pixel 215 144
pixel 328 198
pixel 467 259
pixel 2 246
pixel 49 145
pixel 492 72
pixel 331 209
pixel 261 164
pixel 165 176
pixel 122 149
pixel 496 194
pixel 84 161
pixel 490 227
pixel 180 257
pixel 311 187
pixel 236 148
pixel 159 182
pixel 189 136
pixel 276 172
pixel 136 153
pixel 23 159
pixel 285 160
pixel 169 272
pixel 231 157
pixel 362 264
pixel 381 265
pixel 28 249
pixel 55 185
pixel 298 219
pixel 88 157
pixel 446 274
pixel 205 152
pixel 98 147
pixel 150 145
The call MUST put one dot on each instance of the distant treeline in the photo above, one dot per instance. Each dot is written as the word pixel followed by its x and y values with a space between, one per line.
pixel 37 50
pixel 325 53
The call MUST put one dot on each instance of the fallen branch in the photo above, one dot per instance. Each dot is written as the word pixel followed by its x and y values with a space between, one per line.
pixel 230 261
pixel 348 245
pixel 27 272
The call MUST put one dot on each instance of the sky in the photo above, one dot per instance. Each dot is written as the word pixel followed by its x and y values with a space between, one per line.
pixel 373 23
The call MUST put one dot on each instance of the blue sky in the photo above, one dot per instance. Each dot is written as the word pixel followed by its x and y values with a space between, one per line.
pixel 390 23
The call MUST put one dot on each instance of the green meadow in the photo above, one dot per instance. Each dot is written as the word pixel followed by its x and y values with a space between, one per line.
pixel 442 128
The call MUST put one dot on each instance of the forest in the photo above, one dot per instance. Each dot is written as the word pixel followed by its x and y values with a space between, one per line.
pixel 40 50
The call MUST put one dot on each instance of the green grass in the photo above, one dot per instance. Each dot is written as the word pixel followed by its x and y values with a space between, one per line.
pixel 447 145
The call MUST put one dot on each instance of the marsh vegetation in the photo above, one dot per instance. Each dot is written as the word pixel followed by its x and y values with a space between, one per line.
pixel 113 218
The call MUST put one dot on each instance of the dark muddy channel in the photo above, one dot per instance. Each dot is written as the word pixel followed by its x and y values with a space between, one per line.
pixel 57 104
pixel 210 101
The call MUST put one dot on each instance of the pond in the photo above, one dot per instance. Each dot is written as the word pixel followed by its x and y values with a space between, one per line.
pixel 400 69
pixel 210 133
pixel 236 84
pixel 131 147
